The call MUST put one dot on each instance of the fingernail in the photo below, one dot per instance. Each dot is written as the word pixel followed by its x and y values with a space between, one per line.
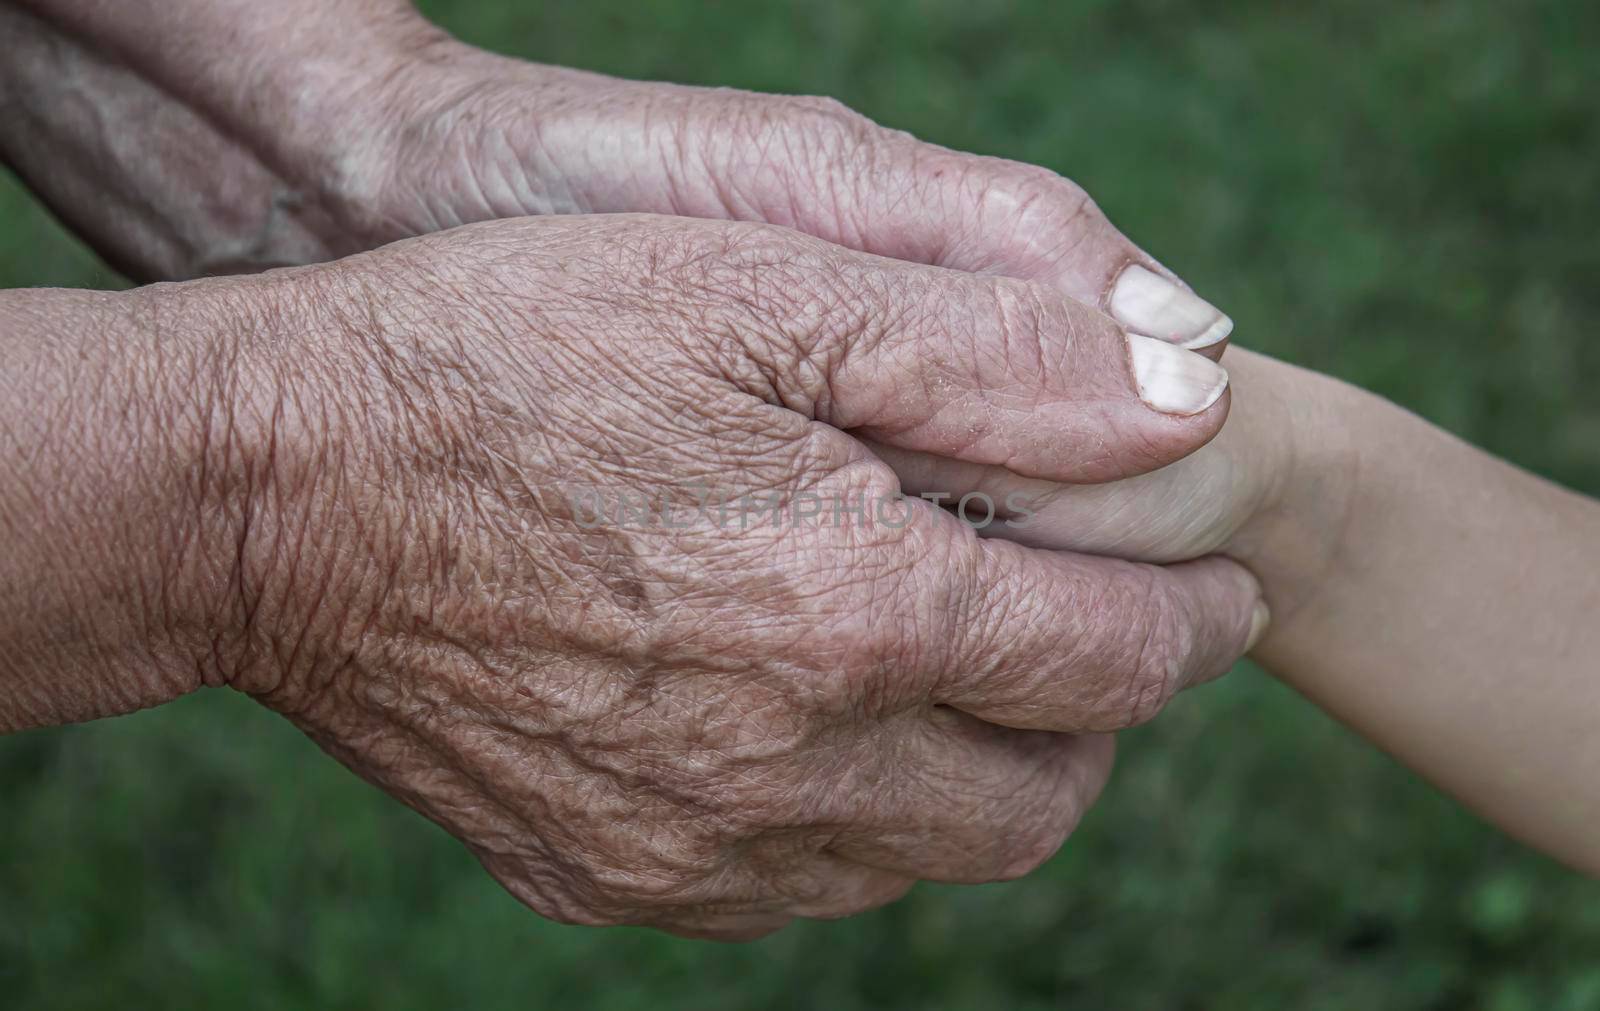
pixel 1147 303
pixel 1172 380
pixel 1258 625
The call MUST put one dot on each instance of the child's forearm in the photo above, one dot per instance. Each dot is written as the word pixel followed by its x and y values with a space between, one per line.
pixel 1456 622
pixel 1443 603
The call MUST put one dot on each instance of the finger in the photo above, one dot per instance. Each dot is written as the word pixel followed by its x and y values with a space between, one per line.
pixel 789 872
pixel 814 165
pixel 925 612
pixel 1182 511
pixel 824 886
pixel 993 216
pixel 775 884
pixel 737 903
pixel 831 887
pixel 953 798
pixel 1174 514
pixel 984 369
pixel 999 372
pixel 1067 642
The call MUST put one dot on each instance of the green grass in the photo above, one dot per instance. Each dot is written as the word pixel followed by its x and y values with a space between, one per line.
pixel 1402 195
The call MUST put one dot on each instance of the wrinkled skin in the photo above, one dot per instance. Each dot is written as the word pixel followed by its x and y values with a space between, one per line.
pixel 461 147
pixel 706 729
pixel 710 730
pixel 1273 490
pixel 408 131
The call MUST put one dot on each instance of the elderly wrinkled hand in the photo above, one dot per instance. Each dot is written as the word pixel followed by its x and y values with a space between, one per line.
pixel 285 133
pixel 709 724
pixel 569 530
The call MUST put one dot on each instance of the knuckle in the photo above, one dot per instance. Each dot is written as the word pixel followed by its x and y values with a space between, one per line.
pixel 832 134
pixel 997 814
pixel 1023 816
pixel 855 589
pixel 755 269
pixel 849 660
pixel 765 794
pixel 1060 201
pixel 857 900
pixel 560 898
pixel 823 113
pixel 806 883
pixel 787 305
pixel 621 893
pixel 1072 203
pixel 1059 215
pixel 1043 823
pixel 612 877
pixel 1149 662
pixel 985 624
pixel 1021 321
pixel 1029 847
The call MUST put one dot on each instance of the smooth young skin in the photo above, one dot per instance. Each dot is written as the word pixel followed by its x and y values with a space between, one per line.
pixel 352 491
pixel 1438 600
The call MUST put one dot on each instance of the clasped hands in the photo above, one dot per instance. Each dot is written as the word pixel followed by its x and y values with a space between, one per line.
pixel 708 728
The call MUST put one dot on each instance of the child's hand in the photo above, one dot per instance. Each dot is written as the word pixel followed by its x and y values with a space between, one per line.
pixel 1433 598
pixel 1270 490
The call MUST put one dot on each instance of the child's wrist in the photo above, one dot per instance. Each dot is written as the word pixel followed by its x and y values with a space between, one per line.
pixel 1293 542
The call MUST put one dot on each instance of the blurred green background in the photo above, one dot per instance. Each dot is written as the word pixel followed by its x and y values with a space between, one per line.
pixel 1402 195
